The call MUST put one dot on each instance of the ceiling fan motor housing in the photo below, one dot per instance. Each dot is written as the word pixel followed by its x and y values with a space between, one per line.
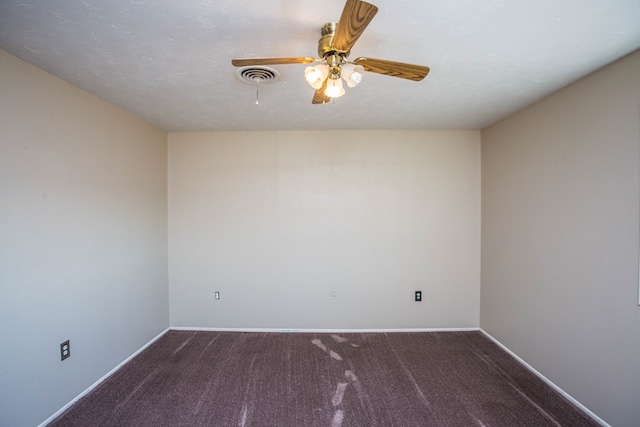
pixel 325 44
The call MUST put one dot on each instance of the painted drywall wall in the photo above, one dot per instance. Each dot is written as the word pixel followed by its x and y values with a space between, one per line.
pixel 83 246
pixel 324 230
pixel 560 186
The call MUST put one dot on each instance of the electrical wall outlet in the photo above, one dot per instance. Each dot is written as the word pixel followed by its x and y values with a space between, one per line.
pixel 216 295
pixel 418 296
pixel 65 350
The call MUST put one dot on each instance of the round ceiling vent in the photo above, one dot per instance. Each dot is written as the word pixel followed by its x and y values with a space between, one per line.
pixel 257 74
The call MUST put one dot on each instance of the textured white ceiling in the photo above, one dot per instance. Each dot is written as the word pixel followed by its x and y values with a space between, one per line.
pixel 169 61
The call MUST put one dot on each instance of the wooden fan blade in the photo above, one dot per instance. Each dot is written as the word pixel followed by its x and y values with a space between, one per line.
pixel 356 15
pixel 393 69
pixel 271 61
pixel 319 97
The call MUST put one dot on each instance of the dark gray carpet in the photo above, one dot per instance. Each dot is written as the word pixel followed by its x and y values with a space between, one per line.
pixel 328 380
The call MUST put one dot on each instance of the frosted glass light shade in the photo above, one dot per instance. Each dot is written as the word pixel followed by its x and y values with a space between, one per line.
pixel 316 75
pixel 352 74
pixel 334 88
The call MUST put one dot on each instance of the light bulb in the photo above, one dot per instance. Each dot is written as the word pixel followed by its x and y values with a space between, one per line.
pixel 352 74
pixel 334 88
pixel 316 75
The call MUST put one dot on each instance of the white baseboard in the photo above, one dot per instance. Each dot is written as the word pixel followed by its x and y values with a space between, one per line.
pixel 97 383
pixel 547 380
pixel 320 331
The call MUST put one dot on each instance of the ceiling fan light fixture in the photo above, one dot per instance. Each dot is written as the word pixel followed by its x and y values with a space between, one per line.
pixel 334 88
pixel 352 74
pixel 333 50
pixel 315 76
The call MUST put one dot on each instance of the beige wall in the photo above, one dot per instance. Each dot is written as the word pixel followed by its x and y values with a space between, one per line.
pixel 277 221
pixel 83 242
pixel 560 239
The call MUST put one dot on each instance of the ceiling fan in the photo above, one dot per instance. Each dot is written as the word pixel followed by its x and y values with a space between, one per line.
pixel 333 48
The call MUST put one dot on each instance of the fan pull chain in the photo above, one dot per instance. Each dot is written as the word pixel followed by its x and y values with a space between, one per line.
pixel 257 92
